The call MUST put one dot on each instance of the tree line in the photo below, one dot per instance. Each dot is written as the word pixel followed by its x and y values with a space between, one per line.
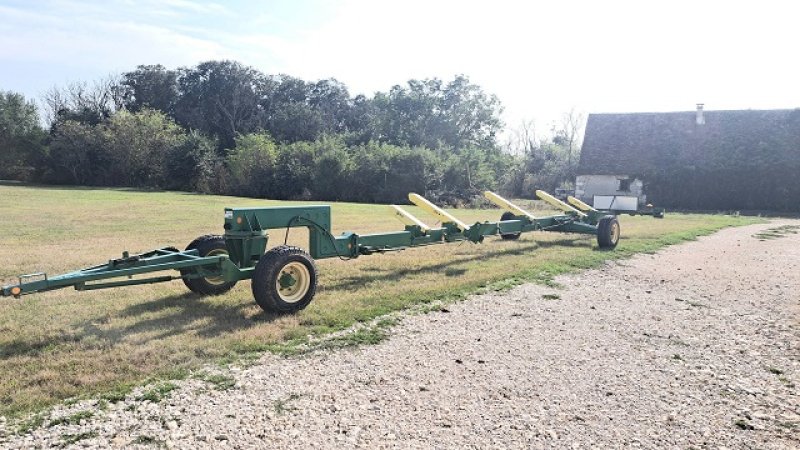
pixel 226 128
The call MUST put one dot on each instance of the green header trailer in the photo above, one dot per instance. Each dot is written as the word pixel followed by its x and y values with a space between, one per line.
pixel 284 279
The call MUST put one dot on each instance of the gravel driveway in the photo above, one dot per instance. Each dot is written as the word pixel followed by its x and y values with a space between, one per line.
pixel 697 346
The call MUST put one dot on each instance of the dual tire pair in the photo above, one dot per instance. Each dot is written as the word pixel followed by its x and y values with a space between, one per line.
pixel 284 279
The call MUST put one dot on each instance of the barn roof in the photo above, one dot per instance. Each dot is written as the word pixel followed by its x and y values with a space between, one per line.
pixel 639 143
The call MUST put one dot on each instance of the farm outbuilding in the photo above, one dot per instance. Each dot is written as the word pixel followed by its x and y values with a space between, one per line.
pixel 712 160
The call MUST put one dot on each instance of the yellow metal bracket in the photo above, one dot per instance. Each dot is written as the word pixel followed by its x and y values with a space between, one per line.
pixel 579 204
pixel 558 203
pixel 507 205
pixel 408 219
pixel 441 214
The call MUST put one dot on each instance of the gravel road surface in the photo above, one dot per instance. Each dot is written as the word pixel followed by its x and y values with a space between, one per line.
pixel 697 346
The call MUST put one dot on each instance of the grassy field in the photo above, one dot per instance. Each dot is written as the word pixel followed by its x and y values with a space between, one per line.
pixel 62 344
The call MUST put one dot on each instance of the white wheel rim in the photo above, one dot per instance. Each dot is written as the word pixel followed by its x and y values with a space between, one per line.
pixel 614 232
pixel 296 282
pixel 219 280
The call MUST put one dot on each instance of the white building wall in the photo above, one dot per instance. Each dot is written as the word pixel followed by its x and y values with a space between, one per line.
pixel 587 186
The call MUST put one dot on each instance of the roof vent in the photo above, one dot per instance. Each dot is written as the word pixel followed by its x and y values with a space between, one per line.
pixel 700 119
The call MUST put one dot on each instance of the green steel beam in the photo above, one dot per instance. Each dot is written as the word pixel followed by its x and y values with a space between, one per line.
pixel 157 261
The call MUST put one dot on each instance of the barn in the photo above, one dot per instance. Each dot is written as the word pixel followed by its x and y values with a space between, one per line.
pixel 709 160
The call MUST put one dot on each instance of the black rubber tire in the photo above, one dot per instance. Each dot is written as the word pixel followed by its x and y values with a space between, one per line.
pixel 266 275
pixel 510 236
pixel 203 286
pixel 608 232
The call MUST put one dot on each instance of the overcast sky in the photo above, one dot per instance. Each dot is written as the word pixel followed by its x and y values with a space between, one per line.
pixel 540 59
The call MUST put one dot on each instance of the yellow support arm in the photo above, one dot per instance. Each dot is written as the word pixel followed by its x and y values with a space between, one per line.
pixel 409 219
pixel 579 204
pixel 558 203
pixel 507 205
pixel 436 211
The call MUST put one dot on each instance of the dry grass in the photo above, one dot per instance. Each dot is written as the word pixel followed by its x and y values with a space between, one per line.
pixel 64 343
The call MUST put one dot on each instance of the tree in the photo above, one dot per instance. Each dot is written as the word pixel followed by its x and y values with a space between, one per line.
pixel 297 110
pixel 568 133
pixel 473 114
pixel 295 122
pixel 83 102
pixel 331 98
pixel 545 162
pixel 221 98
pixel 431 114
pixel 522 139
pixel 21 137
pixel 153 87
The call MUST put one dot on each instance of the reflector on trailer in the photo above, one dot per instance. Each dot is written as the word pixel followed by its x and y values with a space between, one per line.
pixel 507 205
pixel 408 219
pixel 441 214
pixel 558 203
pixel 579 204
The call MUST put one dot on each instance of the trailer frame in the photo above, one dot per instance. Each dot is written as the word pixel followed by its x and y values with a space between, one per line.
pixel 213 264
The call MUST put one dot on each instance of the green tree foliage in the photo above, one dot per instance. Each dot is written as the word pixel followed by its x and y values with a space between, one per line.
pixel 130 149
pixel 224 99
pixel 547 166
pixel 21 137
pixel 296 162
pixel 73 155
pixel 330 169
pixel 252 166
pixel 136 146
pixel 192 165
pixel 385 173
pixel 296 110
pixel 221 98
pixel 429 113
pixel 223 127
pixel 153 87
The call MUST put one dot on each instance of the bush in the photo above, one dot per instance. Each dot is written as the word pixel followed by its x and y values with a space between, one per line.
pixel 251 166
pixel 73 155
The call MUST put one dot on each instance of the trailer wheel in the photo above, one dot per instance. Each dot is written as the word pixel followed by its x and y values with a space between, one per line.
pixel 284 280
pixel 209 245
pixel 509 236
pixel 608 232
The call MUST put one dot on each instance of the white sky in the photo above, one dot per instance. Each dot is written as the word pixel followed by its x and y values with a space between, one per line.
pixel 539 58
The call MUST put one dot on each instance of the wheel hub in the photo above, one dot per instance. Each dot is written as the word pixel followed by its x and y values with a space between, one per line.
pixel 286 280
pixel 293 282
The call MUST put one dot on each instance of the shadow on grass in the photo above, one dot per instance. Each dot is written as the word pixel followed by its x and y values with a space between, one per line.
pixel 173 315
pixel 448 268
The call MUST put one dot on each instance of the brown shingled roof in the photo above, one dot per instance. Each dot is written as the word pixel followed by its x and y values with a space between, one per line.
pixel 645 143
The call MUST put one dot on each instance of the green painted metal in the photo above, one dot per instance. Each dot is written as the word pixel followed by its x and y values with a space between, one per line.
pixel 127 266
pixel 247 236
